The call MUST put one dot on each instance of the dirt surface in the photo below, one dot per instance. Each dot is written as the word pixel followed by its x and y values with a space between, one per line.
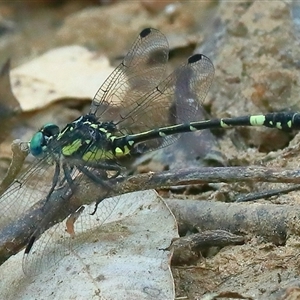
pixel 254 47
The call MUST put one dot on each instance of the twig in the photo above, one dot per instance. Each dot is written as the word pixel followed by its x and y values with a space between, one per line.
pixel 18 157
pixel 63 202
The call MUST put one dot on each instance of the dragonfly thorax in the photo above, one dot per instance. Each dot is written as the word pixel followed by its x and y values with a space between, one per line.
pixel 87 139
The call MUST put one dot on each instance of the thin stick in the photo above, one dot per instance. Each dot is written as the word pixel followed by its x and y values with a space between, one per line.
pixel 63 201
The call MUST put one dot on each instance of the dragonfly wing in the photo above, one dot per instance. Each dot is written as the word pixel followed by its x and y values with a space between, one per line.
pixel 175 100
pixel 30 187
pixel 140 71
pixel 61 239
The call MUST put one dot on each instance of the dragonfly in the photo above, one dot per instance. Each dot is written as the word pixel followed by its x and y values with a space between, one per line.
pixel 134 111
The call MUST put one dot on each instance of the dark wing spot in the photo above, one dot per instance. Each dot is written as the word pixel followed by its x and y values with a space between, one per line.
pixel 145 32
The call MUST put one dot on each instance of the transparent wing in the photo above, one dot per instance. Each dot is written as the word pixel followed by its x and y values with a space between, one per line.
pixel 61 239
pixel 175 100
pixel 140 71
pixel 51 246
pixel 33 185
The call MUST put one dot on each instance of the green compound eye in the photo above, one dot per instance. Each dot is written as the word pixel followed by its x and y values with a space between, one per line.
pixel 50 130
pixel 35 145
pixel 41 138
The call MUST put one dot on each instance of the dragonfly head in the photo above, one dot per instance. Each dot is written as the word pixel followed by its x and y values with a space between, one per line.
pixel 39 142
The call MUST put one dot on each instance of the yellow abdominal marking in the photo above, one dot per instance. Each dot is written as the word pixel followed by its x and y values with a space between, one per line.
pixel 120 152
pixel 223 124
pixel 257 120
